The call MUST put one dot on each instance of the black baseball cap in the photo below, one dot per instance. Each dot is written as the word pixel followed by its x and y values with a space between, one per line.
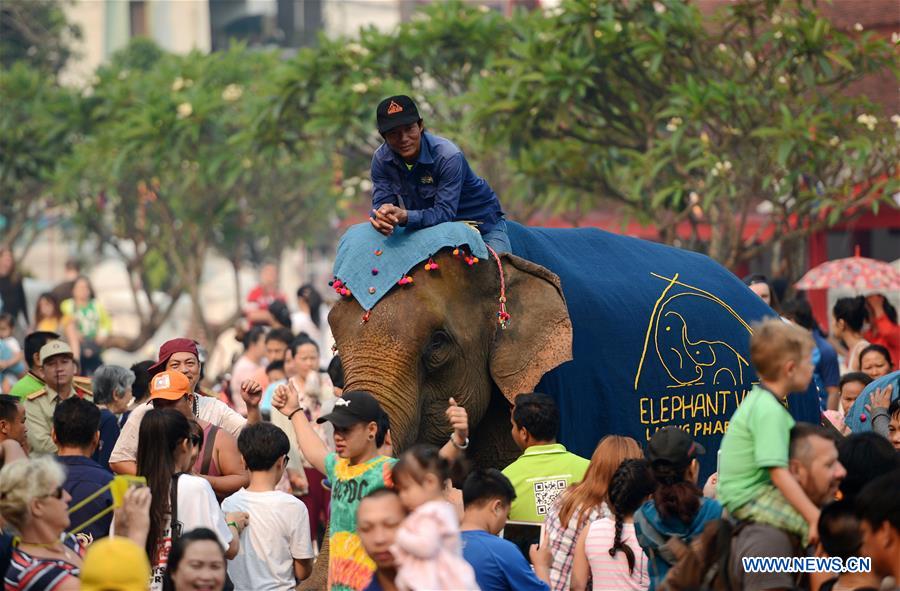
pixel 395 111
pixel 674 446
pixel 352 408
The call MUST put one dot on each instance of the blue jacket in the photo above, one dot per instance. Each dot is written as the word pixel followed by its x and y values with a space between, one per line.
pixel 440 187
pixel 648 519
pixel 84 477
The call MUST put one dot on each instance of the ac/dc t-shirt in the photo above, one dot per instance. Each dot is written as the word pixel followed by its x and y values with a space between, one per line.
pixel 349 567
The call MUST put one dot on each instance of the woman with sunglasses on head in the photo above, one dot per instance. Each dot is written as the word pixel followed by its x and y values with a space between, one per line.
pixel 34 502
pixel 181 501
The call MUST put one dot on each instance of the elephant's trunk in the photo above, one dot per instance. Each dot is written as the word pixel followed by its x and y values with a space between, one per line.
pixel 394 382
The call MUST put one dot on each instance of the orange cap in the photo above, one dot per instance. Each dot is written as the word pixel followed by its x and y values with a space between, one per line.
pixel 169 385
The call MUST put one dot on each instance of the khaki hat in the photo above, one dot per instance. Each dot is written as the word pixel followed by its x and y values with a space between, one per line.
pixel 115 564
pixel 54 348
pixel 169 385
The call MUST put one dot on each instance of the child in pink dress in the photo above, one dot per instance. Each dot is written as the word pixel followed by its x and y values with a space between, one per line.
pixel 428 549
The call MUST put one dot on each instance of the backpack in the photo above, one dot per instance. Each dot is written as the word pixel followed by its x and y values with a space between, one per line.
pixel 704 563
pixel 668 547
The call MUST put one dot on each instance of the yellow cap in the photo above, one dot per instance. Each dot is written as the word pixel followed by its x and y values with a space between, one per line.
pixel 115 564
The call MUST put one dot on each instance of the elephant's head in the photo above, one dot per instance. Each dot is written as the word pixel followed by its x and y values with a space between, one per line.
pixel 439 338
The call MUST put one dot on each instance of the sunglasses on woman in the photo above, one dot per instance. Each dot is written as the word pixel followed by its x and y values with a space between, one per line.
pixel 57 493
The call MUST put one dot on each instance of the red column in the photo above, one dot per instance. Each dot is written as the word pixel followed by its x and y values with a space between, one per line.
pixel 818 298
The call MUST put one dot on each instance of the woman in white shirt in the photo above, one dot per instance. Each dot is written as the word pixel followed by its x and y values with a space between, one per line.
pixel 166 452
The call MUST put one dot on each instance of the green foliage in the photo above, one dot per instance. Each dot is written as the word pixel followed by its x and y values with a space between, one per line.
pixel 38 124
pixel 140 54
pixel 644 104
pixel 327 95
pixel 171 142
pixel 170 169
pixel 677 117
pixel 35 32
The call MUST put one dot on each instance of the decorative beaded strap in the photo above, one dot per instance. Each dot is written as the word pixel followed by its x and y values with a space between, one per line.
pixel 502 315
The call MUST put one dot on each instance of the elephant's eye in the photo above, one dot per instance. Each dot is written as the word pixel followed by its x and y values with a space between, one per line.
pixel 438 349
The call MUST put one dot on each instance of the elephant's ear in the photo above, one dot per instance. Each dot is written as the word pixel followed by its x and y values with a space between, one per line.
pixel 539 335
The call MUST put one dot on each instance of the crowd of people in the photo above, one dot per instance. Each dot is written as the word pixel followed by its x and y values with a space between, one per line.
pixel 272 477
pixel 250 486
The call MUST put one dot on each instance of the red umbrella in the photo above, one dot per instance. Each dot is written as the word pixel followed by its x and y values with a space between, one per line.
pixel 861 274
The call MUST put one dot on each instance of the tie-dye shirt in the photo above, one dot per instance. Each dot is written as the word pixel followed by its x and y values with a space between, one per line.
pixel 349 567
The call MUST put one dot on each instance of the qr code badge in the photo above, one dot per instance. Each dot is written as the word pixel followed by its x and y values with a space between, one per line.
pixel 545 492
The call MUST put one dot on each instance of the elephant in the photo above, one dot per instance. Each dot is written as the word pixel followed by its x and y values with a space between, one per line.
pixel 582 308
pixel 583 305
pixel 423 345
pixel 440 339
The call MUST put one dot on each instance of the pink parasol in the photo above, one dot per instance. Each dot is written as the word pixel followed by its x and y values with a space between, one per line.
pixel 864 275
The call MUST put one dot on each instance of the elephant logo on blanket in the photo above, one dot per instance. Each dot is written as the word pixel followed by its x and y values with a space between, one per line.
pixel 696 337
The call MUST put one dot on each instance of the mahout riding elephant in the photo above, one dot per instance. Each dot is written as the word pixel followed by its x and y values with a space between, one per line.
pixel 588 317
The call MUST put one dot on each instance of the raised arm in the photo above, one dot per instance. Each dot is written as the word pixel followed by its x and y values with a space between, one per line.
pixel 459 439
pixel 252 393
pixel 879 402
pixel 286 401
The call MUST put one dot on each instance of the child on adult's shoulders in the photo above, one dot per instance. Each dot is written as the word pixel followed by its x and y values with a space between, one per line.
pixel 754 481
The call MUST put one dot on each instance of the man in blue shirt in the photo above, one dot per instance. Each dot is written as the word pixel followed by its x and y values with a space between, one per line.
pixel 76 433
pixel 421 180
pixel 498 563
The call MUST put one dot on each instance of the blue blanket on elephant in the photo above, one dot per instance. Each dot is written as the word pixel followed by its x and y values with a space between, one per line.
pixel 370 264
pixel 661 337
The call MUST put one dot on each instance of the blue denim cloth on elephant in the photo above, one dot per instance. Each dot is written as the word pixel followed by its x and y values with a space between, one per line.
pixel 498 238
pixel 660 336
pixel 370 264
